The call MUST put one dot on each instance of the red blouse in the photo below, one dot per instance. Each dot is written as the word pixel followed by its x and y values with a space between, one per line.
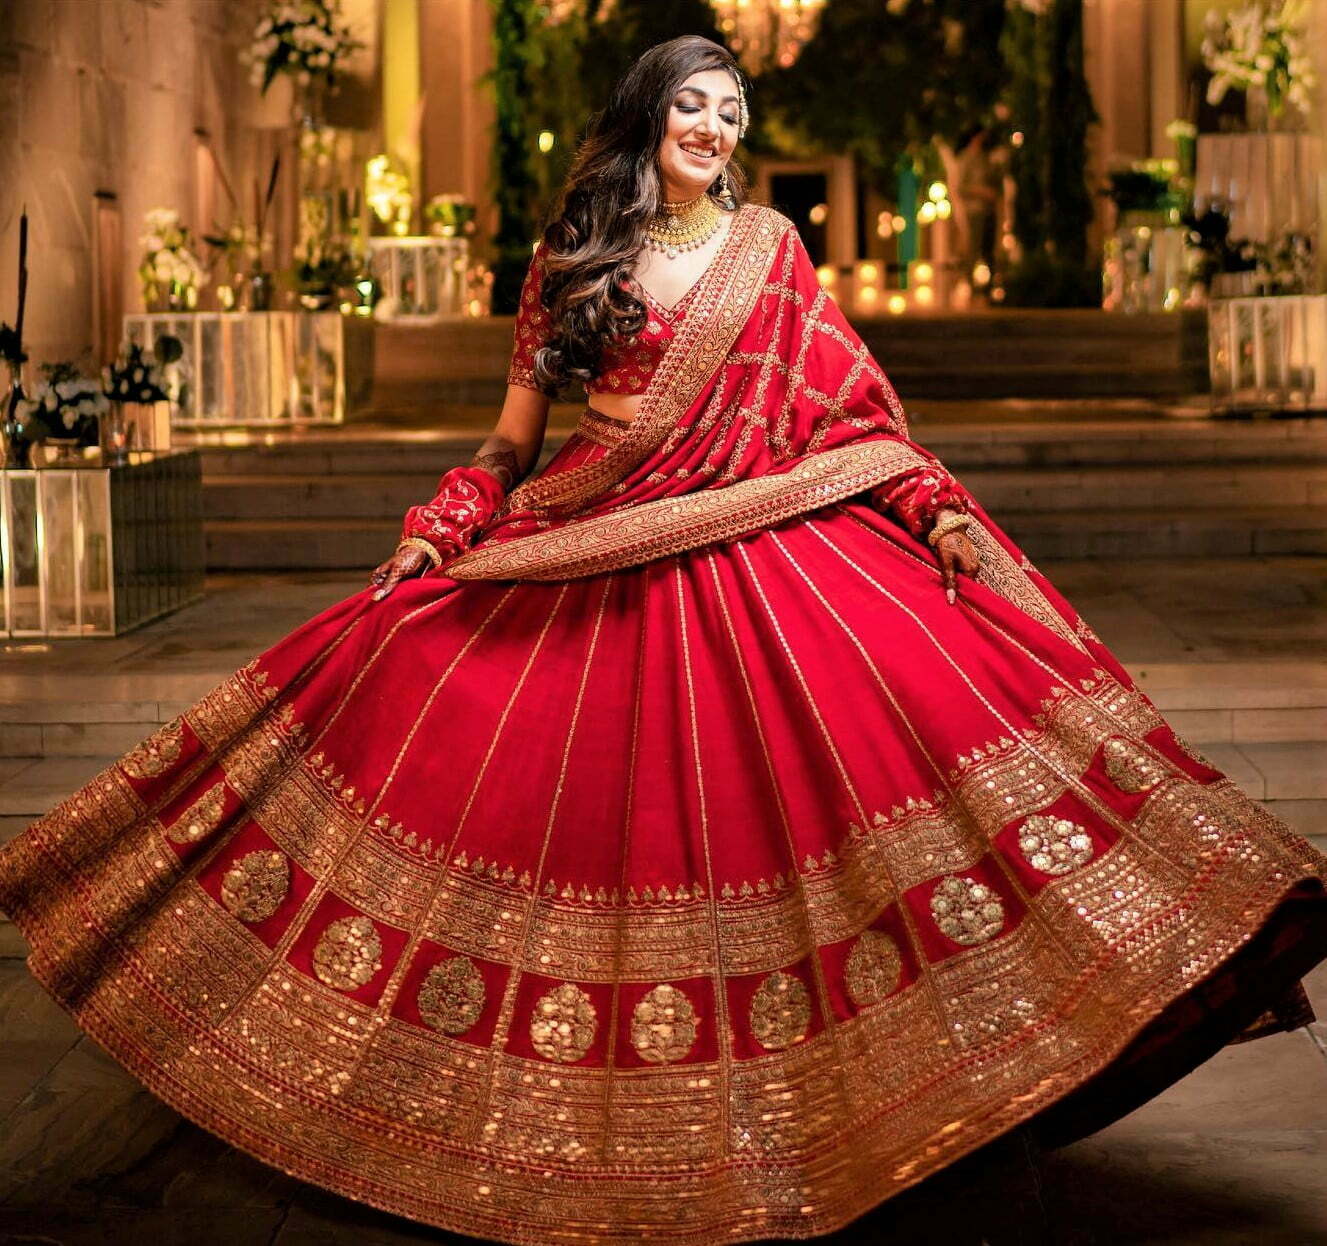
pixel 625 369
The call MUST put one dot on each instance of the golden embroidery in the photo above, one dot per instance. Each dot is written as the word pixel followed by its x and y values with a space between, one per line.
pixel 563 1023
pixel 663 1025
pixel 780 1011
pixel 201 818
pixel 156 754
pixel 872 969
pixel 967 911
pixel 1054 845
pixel 671 525
pixel 1129 768
pixel 451 997
pixel 254 886
pixel 348 954
pixel 728 290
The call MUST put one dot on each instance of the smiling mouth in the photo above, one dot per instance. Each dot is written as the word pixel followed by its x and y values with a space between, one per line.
pixel 699 152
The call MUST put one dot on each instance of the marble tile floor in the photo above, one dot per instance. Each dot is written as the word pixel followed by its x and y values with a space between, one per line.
pixel 1233 1154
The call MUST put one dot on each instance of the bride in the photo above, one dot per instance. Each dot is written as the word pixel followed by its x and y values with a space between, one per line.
pixel 705 838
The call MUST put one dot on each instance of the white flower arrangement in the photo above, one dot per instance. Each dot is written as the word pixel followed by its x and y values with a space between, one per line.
pixel 168 257
pixel 65 404
pixel 306 39
pixel 1261 45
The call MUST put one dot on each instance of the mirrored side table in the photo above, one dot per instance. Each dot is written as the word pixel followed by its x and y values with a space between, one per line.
pixel 96 551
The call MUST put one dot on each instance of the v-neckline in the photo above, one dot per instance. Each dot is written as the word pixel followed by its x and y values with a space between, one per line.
pixel 668 313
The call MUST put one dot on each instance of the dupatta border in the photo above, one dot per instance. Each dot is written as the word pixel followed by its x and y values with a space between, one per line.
pixel 667 526
pixel 726 294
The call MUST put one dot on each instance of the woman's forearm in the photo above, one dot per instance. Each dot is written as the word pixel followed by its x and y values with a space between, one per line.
pixel 507 461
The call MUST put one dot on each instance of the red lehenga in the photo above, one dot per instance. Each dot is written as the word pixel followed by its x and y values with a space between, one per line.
pixel 679 864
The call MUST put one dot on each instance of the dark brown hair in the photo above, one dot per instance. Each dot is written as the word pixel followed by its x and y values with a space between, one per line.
pixel 611 193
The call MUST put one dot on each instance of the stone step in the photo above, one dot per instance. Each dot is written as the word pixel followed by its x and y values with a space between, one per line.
pixel 1003 491
pixel 1226 532
pixel 1080 438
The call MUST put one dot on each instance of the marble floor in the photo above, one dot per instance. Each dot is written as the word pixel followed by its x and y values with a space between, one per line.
pixel 1236 652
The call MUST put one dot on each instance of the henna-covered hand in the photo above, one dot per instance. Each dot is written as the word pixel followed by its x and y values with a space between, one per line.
pixel 405 562
pixel 957 554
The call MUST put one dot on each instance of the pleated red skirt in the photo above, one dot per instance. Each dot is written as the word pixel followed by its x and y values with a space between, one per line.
pixel 711 900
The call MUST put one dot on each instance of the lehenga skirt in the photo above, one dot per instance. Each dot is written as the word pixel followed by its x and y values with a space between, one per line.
pixel 714 899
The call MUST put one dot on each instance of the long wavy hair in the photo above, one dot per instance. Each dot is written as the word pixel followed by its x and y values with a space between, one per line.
pixel 612 191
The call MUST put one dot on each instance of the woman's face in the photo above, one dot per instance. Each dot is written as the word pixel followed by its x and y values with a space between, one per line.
pixel 701 134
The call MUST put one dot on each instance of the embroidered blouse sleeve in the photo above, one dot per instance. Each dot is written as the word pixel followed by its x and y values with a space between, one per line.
pixel 533 325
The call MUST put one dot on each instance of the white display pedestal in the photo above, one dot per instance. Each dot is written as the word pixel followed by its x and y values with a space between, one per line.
pixel 1268 353
pixel 263 368
pixel 95 551
pixel 421 278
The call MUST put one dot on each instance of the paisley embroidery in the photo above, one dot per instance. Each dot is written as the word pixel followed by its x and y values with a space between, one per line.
pixel 254 886
pixel 348 954
pixel 451 997
pixel 1129 767
pixel 157 753
pixel 1054 845
pixel 967 911
pixel 872 969
pixel 201 818
pixel 563 1024
pixel 780 1011
pixel 663 1025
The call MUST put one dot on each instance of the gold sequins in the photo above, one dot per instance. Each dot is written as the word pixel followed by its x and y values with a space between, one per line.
pixel 157 753
pixel 1129 768
pixel 201 818
pixel 780 1011
pixel 451 997
pixel 563 1023
pixel 967 911
pixel 1054 845
pixel 348 954
pixel 872 969
pixel 663 1025
pixel 254 886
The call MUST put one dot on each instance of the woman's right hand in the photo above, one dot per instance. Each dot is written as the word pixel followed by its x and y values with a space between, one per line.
pixel 407 561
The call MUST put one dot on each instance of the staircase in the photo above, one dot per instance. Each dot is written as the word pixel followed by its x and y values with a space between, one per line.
pixel 1077 486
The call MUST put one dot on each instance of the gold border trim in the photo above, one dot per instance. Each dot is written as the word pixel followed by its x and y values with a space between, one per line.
pixel 667 526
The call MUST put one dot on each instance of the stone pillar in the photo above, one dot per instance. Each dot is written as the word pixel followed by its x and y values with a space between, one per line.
pixel 456 49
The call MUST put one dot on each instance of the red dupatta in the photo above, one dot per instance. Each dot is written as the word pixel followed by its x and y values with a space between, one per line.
pixel 767 404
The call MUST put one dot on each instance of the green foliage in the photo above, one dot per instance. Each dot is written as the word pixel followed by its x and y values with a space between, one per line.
pixel 514 22
pixel 1041 279
pixel 883 84
pixel 1051 107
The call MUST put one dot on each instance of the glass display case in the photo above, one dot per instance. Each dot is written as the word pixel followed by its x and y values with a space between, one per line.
pixel 263 368
pixel 421 278
pixel 95 551
pixel 1268 353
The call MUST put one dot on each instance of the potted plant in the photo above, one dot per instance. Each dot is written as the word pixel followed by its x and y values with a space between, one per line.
pixel 63 412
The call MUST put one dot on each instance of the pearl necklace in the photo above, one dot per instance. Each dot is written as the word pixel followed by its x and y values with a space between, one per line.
pixel 684 226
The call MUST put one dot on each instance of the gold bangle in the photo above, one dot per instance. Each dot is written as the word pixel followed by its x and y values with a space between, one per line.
pixel 954 523
pixel 418 542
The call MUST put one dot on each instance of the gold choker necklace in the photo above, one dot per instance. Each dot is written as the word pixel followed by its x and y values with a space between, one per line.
pixel 684 226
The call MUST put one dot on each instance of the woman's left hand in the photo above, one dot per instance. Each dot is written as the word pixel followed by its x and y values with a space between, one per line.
pixel 956 554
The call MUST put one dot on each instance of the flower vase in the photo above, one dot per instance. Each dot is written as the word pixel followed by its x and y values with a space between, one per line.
pixel 166 296
pixel 116 434
pixel 258 289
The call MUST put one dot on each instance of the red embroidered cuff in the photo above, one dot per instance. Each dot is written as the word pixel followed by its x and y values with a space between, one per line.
pixel 916 497
pixel 466 500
